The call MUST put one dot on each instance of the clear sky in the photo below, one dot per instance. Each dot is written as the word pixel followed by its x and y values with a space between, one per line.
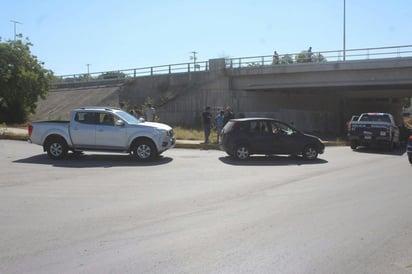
pixel 116 35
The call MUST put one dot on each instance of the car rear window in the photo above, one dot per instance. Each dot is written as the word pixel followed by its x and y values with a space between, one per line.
pixel 375 118
pixel 228 127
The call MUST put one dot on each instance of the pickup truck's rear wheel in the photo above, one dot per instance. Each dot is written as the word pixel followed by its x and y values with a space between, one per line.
pixel 144 150
pixel 391 145
pixel 56 148
pixel 353 144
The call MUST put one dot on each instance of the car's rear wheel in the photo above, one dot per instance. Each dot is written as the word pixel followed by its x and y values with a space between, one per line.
pixel 56 148
pixel 144 150
pixel 310 152
pixel 242 152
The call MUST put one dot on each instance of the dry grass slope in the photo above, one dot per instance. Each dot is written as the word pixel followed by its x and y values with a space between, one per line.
pixel 59 103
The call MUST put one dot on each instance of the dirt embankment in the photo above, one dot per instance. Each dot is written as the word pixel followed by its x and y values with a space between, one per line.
pixel 60 102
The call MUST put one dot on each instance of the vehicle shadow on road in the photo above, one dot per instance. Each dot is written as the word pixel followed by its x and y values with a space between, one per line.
pixel 272 161
pixel 93 161
pixel 395 152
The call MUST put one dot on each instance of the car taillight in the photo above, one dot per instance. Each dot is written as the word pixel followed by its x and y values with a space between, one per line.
pixel 30 129
pixel 410 139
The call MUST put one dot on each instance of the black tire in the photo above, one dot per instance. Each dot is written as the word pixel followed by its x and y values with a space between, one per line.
pixel 144 150
pixel 242 153
pixel 353 145
pixel 56 148
pixel 391 146
pixel 410 159
pixel 310 152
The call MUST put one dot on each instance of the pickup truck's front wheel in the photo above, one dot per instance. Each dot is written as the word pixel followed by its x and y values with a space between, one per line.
pixel 144 150
pixel 56 148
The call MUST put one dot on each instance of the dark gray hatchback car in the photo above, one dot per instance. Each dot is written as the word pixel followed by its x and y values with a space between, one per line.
pixel 241 138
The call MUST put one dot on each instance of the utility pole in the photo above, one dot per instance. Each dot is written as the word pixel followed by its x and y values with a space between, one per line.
pixel 88 69
pixel 344 30
pixel 15 23
pixel 194 58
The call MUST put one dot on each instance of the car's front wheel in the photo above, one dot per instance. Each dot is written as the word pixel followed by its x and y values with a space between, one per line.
pixel 242 152
pixel 144 150
pixel 310 152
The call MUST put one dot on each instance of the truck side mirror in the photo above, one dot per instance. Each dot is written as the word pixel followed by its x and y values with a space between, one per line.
pixel 119 123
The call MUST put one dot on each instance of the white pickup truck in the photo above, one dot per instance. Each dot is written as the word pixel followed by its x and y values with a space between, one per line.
pixel 102 129
pixel 374 129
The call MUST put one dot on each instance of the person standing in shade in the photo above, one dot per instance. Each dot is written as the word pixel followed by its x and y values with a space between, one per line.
pixel 219 123
pixel 207 123
pixel 150 113
pixel 228 115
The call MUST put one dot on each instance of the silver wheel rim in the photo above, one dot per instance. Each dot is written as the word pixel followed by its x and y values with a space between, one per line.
pixel 242 153
pixel 56 149
pixel 143 151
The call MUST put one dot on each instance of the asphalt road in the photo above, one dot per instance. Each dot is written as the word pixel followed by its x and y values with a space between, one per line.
pixel 198 211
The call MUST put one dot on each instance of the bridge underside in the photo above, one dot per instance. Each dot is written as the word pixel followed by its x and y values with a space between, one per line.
pixel 316 107
pixel 348 91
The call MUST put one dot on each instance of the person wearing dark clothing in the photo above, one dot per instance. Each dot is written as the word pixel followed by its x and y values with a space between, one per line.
pixel 207 123
pixel 275 58
pixel 310 53
pixel 228 115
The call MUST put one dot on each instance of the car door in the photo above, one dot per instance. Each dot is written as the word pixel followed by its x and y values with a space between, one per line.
pixel 108 134
pixel 83 130
pixel 260 137
pixel 285 139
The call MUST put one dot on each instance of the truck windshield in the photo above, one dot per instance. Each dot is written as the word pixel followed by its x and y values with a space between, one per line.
pixel 130 119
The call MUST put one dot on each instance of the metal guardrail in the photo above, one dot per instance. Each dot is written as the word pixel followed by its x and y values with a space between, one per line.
pixel 241 62
pixel 133 73
pixel 321 56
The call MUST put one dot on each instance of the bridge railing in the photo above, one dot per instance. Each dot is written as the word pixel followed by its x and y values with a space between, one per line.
pixel 133 73
pixel 321 56
pixel 234 63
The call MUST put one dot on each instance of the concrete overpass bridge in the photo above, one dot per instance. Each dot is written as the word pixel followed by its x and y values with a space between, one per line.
pixel 316 95
pixel 363 78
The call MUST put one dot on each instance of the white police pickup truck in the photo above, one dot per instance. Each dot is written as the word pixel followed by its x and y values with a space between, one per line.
pixel 102 129
pixel 374 129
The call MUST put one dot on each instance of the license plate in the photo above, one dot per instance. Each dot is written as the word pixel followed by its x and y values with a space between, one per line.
pixel 367 137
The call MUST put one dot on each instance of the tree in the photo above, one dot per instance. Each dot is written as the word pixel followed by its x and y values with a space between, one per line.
pixel 307 57
pixel 22 81
pixel 286 59
pixel 303 57
pixel 112 75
